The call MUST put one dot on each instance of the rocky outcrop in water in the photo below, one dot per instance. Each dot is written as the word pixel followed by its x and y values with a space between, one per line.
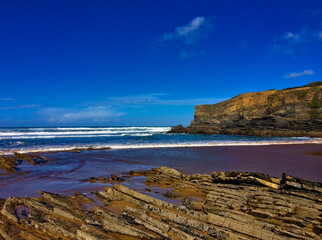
pixel 11 163
pixel 223 205
pixel 287 112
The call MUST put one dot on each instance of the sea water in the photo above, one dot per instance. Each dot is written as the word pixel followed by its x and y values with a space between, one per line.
pixel 121 149
pixel 36 139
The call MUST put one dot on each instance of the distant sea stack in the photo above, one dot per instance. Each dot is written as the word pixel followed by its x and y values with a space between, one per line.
pixel 288 112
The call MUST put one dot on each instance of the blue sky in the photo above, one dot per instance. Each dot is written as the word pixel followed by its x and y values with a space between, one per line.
pixel 141 62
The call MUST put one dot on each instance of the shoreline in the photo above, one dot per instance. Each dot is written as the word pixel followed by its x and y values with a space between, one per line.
pixel 222 192
pixel 146 146
pixel 65 172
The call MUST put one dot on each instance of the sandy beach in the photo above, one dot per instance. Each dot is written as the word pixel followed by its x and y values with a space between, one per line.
pixel 66 172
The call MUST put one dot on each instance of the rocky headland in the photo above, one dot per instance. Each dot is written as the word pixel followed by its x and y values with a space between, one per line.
pixel 288 112
pixel 172 205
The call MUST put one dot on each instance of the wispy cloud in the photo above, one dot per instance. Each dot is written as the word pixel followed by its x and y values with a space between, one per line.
pixel 308 13
pixel 72 115
pixel 190 53
pixel 290 41
pixel 114 108
pixel 293 36
pixel 25 106
pixel 7 99
pixel 157 99
pixel 192 101
pixel 298 41
pixel 319 35
pixel 300 74
pixel 190 33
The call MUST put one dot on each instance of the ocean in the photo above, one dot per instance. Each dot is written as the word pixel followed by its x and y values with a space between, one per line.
pixel 116 150
pixel 36 139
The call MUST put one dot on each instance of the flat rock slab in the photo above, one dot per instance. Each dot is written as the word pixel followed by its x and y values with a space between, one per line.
pixel 231 205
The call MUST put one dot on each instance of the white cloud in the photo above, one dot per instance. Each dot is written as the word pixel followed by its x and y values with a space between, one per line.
pixel 295 75
pixel 25 106
pixel 192 101
pixel 291 42
pixel 157 99
pixel 192 26
pixel 189 33
pixel 71 115
pixel 293 36
pixel 144 99
pixel 113 108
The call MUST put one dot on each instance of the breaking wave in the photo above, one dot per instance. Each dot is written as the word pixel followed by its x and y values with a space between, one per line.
pixel 33 133
pixel 138 146
pixel 58 139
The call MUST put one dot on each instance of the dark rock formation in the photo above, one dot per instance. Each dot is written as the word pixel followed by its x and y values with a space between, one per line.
pixel 8 163
pixel 221 206
pixel 113 178
pixel 287 112
pixel 11 163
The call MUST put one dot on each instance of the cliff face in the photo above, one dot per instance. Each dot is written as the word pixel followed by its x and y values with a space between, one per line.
pixel 287 112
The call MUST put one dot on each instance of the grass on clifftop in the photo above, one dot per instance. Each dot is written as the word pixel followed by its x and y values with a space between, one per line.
pixel 312 84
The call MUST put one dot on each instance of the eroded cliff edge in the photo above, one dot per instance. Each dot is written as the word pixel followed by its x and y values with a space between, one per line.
pixel 288 112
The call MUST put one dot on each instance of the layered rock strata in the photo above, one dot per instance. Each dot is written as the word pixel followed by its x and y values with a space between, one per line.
pixel 11 163
pixel 230 205
pixel 287 112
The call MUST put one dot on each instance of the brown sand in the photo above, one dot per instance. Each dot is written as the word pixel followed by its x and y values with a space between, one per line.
pixel 67 171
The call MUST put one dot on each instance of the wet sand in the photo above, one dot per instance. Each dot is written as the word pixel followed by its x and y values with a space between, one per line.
pixel 67 171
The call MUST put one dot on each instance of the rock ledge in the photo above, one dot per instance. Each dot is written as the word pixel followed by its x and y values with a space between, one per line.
pixel 223 205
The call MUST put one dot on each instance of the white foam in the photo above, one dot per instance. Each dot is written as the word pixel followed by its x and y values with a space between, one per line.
pixel 154 129
pixel 17 143
pixel 161 145
pixel 64 133
pixel 79 136
pixel 91 132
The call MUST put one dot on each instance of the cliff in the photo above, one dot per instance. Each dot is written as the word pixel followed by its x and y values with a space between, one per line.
pixel 288 112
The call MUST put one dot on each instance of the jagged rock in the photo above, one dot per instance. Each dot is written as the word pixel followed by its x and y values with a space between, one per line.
pixel 115 178
pixel 168 171
pixel 32 158
pixel 82 197
pixel 246 177
pixel 261 214
pixel 289 181
pixel 102 179
pixel 193 204
pixel 287 112
pixel 10 163
pixel 171 194
pixel 200 178
pixel 178 129
pixel 229 205
pixel 90 232
pixel 92 180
